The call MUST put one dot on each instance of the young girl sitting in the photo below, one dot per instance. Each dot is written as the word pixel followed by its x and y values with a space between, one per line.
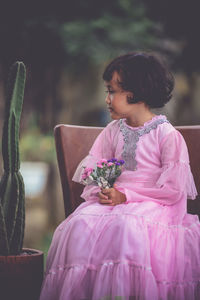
pixel 134 240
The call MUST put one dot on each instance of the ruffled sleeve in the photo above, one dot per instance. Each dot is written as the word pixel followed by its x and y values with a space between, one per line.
pixel 176 180
pixel 89 161
pixel 176 170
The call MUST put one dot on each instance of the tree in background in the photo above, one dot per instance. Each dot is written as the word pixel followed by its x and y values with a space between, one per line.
pixel 180 25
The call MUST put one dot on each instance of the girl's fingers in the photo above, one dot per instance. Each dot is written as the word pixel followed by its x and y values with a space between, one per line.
pixel 106 191
pixel 102 196
pixel 105 201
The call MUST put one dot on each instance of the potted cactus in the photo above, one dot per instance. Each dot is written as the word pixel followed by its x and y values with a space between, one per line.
pixel 21 270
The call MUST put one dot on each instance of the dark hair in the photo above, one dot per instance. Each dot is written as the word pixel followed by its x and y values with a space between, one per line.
pixel 145 76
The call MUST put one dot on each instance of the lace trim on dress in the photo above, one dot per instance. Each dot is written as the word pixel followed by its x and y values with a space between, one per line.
pixel 96 267
pixel 131 137
pixel 111 263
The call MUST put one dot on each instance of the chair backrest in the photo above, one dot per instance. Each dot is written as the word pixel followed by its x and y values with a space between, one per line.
pixel 74 142
pixel 72 145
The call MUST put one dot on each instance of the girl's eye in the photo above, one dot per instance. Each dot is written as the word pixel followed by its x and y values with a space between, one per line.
pixel 109 92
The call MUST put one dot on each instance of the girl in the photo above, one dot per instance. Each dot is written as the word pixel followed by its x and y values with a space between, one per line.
pixel 135 240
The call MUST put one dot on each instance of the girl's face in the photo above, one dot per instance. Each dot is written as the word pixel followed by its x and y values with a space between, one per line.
pixel 116 99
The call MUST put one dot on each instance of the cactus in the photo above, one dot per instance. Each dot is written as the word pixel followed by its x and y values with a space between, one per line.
pixel 12 195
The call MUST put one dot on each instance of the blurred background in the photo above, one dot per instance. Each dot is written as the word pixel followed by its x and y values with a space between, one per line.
pixel 65 46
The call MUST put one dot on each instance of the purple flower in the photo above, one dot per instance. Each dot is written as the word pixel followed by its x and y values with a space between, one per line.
pixel 122 161
pixel 117 164
pixel 113 160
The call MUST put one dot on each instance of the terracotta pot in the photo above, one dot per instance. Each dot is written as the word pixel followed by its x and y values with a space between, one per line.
pixel 21 276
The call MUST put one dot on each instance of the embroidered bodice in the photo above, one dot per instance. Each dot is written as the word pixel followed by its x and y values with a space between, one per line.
pixel 131 137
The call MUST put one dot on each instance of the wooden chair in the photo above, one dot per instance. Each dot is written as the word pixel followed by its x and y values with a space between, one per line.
pixel 74 142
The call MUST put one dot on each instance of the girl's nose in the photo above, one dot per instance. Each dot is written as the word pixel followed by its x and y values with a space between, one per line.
pixel 107 100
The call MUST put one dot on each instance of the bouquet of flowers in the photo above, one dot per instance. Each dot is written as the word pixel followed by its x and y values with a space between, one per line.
pixel 104 174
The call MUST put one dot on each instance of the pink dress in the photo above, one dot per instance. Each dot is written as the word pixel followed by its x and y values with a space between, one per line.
pixel 147 248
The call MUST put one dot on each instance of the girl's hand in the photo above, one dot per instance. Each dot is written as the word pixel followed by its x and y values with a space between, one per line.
pixel 111 196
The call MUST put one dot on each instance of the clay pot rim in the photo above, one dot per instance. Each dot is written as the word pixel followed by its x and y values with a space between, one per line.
pixel 27 252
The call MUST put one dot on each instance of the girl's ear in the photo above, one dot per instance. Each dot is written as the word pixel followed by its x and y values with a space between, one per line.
pixel 130 97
